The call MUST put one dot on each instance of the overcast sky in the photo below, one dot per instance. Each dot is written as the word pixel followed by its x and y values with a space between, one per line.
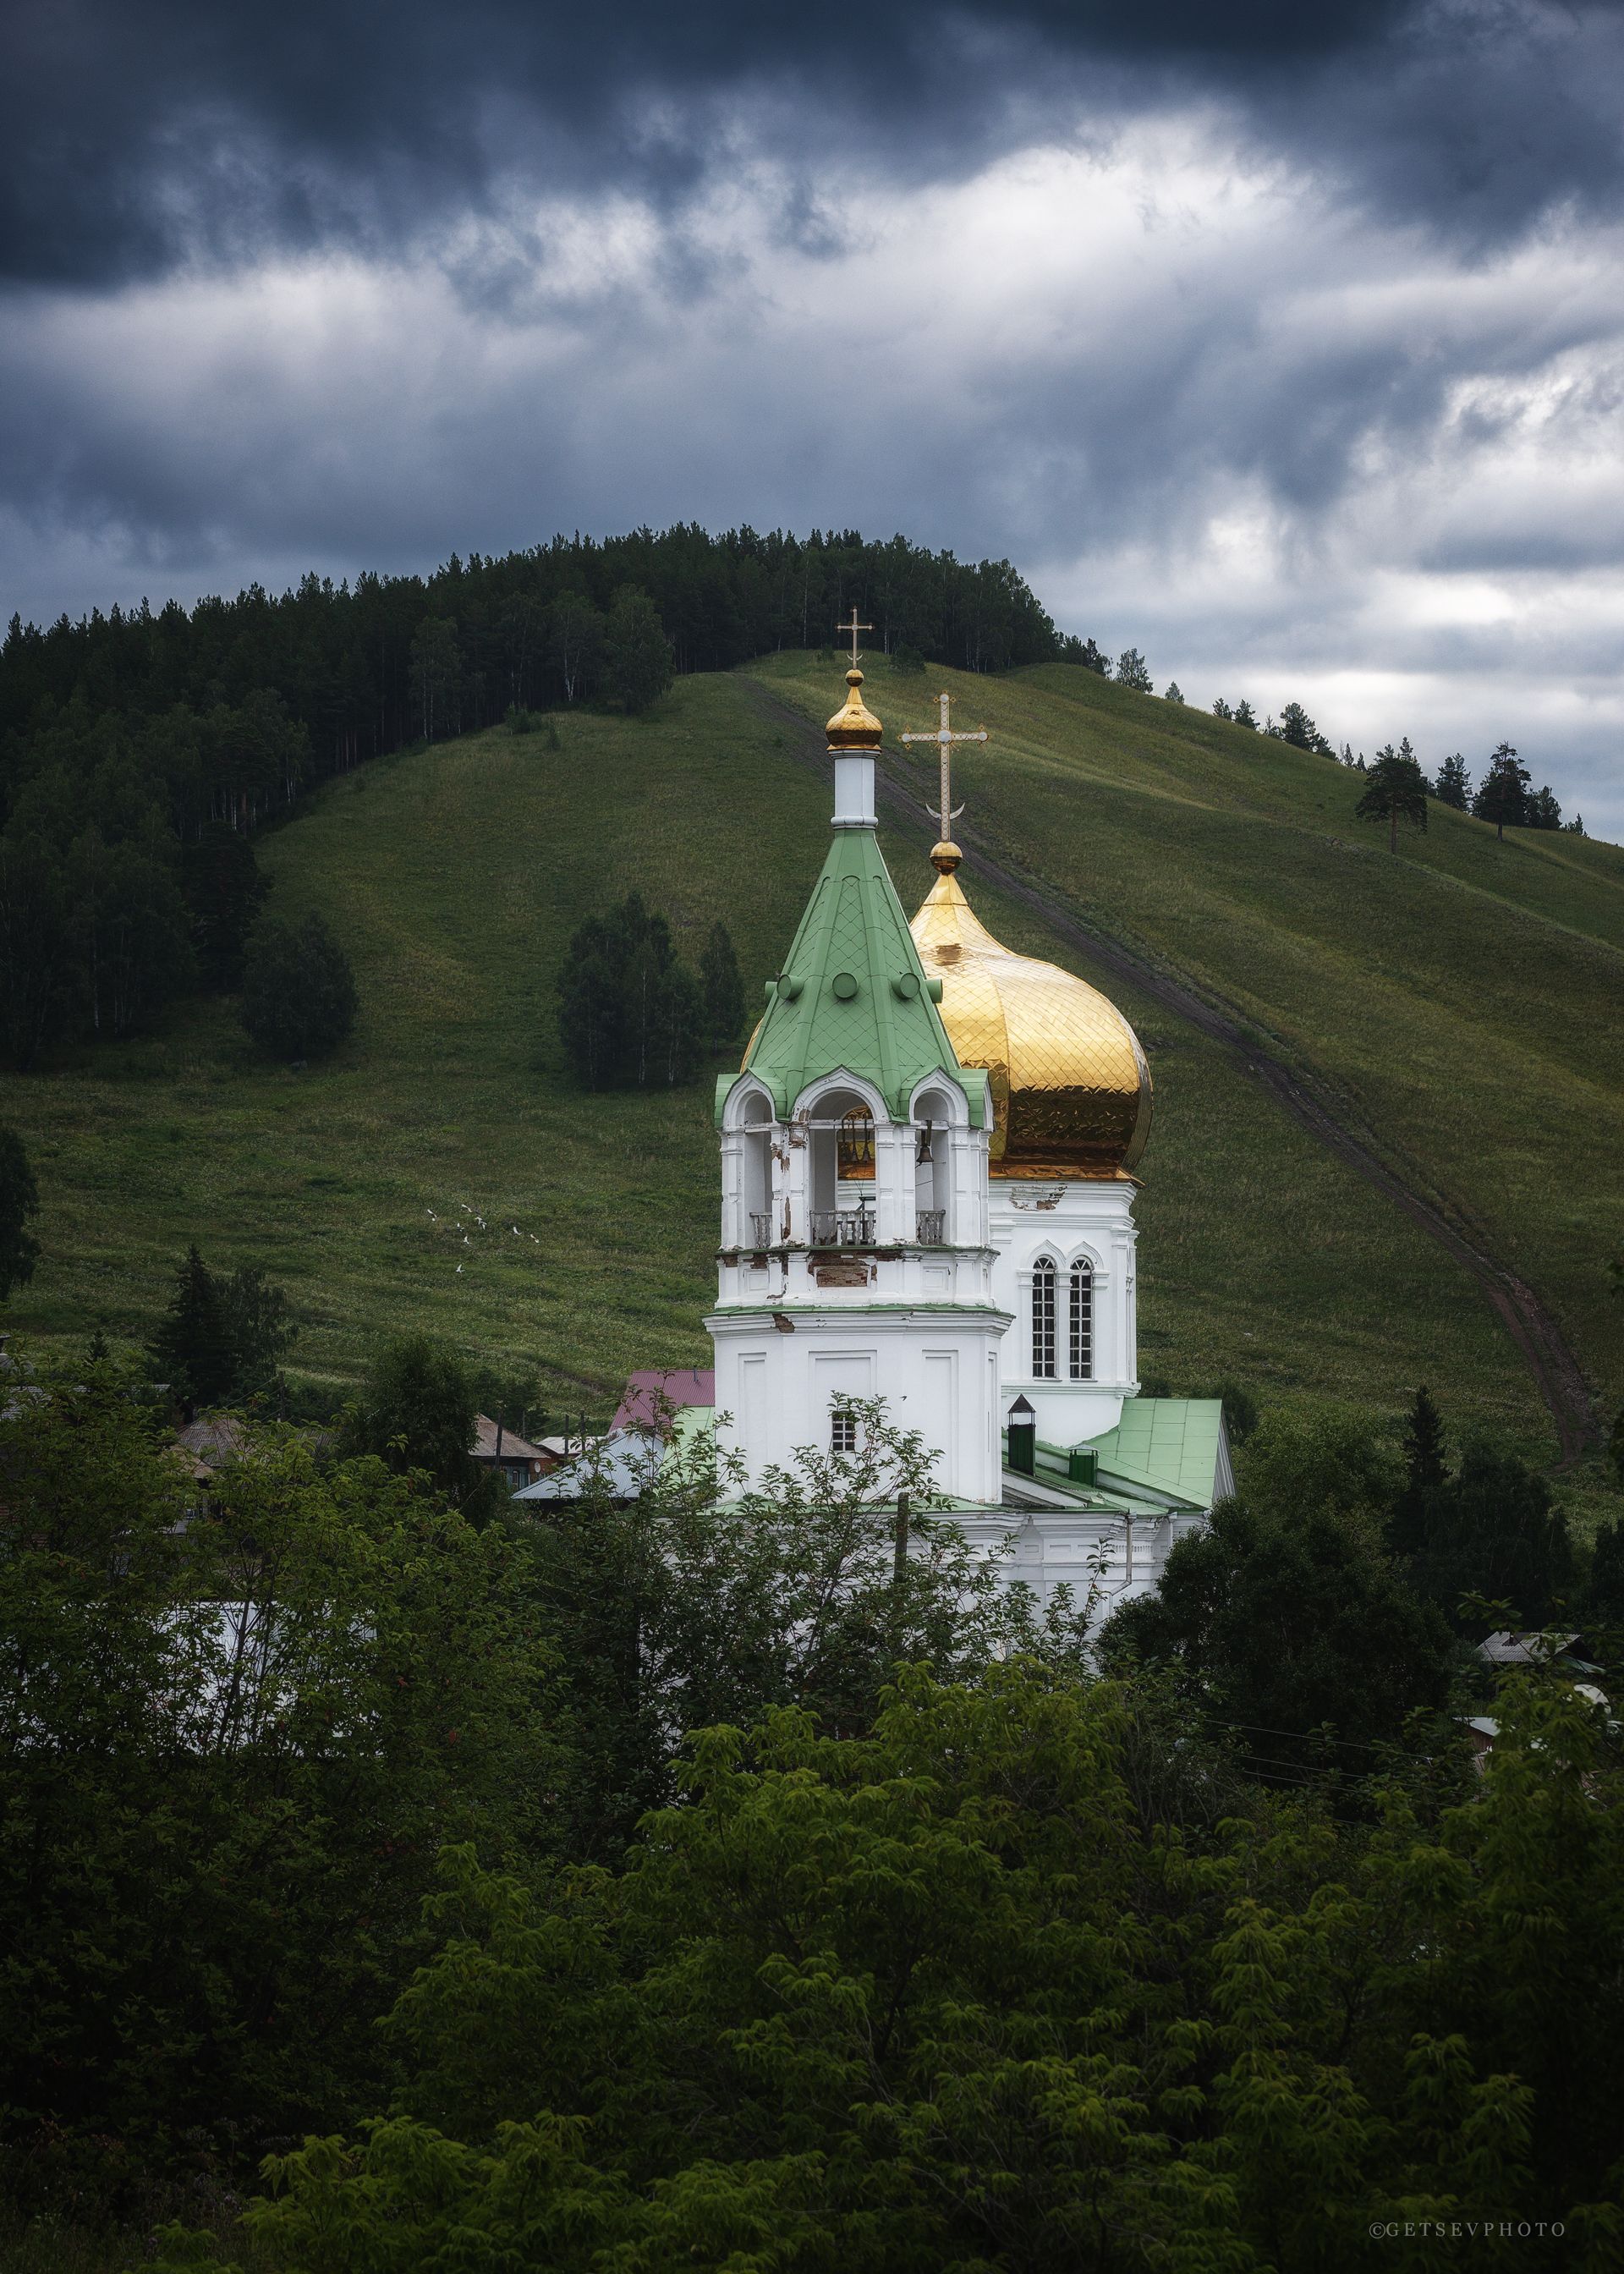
pixel 1282 341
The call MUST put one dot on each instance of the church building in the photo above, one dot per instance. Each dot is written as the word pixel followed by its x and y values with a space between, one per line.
pixel 927 1164
pixel 928 1188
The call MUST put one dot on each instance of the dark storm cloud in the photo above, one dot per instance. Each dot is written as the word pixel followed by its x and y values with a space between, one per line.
pixel 136 136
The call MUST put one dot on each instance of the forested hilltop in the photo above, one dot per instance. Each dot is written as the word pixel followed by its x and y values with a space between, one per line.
pixel 364 667
pixel 140 752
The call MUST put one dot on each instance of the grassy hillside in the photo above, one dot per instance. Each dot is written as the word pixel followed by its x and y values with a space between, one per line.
pixel 1460 1000
pixel 455 876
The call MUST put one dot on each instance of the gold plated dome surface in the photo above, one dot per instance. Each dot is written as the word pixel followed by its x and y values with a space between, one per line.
pixel 854 727
pixel 1071 1089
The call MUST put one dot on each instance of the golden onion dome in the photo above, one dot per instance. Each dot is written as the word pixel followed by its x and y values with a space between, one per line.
pixel 854 727
pixel 1071 1088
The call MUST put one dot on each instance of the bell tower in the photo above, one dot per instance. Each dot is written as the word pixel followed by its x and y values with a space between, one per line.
pixel 855 1259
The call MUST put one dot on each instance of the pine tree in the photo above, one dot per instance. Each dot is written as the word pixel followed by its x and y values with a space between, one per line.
pixel 591 1009
pixel 722 988
pixel 1132 671
pixel 1452 787
pixel 1220 709
pixel 19 1199
pixel 1502 796
pixel 1543 812
pixel 1423 1443
pixel 1245 715
pixel 257 1322
pixel 1395 790
pixel 1298 728
pixel 630 1016
pixel 193 1348
pixel 1173 693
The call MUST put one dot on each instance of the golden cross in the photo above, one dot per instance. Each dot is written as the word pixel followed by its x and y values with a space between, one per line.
pixel 854 628
pixel 944 738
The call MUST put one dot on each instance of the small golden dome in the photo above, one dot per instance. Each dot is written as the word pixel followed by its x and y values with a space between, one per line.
pixel 854 727
pixel 1070 1086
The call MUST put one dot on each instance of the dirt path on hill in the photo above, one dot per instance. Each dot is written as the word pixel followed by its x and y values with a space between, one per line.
pixel 1554 1365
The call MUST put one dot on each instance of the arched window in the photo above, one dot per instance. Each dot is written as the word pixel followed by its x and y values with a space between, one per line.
pixel 1081 1338
pixel 1043 1319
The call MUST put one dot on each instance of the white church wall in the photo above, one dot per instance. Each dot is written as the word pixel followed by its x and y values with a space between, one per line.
pixel 778 1375
pixel 1066 1223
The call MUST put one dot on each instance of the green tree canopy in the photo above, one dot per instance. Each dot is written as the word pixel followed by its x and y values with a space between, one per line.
pixel 1395 791
pixel 1283 1626
pixel 299 991
pixel 638 659
pixel 630 1016
pixel 20 1202
pixel 962 1994
pixel 1452 787
pixel 1298 728
pixel 436 677
pixel 1133 671
pixel 1490 1532
pixel 220 1340
pixel 233 1729
pixel 415 1413
pixel 223 889
pixel 1502 795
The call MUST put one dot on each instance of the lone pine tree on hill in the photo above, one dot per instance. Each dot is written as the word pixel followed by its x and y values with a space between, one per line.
pixel 1502 796
pixel 1394 789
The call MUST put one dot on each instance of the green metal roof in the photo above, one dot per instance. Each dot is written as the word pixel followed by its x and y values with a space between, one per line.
pixel 1169 1443
pixel 853 993
pixel 1168 1448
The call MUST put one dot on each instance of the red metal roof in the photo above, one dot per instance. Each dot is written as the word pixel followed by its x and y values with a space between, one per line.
pixel 648 1395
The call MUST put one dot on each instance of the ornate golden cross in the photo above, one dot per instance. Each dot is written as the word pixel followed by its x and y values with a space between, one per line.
pixel 854 628
pixel 944 738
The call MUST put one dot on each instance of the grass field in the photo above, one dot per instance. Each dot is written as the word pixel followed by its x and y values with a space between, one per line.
pixel 1460 998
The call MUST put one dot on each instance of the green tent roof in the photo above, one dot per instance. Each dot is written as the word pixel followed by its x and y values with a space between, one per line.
pixel 853 994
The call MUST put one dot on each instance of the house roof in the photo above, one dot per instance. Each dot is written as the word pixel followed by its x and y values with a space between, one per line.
pixel 622 1464
pixel 655 1395
pixel 513 1448
pixel 1525 1646
pixel 215 1437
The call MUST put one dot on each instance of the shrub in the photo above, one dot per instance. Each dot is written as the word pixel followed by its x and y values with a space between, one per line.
pixel 299 991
